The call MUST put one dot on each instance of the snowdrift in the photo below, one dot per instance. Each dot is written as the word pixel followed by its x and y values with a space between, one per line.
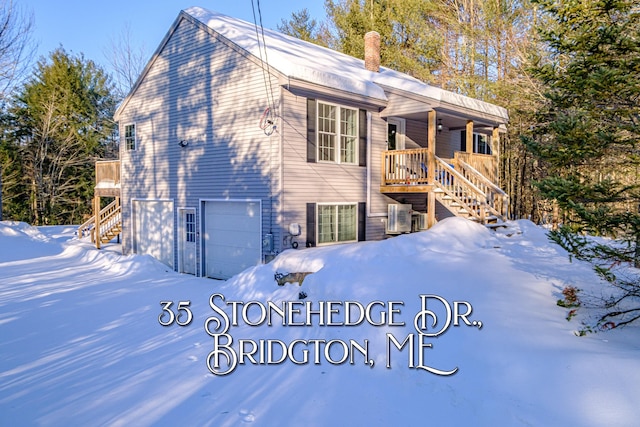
pixel 456 325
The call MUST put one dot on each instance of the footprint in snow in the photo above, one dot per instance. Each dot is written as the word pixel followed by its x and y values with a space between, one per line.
pixel 247 416
pixel 193 358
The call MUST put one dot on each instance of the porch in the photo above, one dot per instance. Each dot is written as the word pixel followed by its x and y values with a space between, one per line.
pixel 456 183
pixel 106 223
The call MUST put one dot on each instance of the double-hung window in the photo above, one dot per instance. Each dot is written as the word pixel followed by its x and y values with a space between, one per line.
pixel 130 137
pixel 337 223
pixel 337 133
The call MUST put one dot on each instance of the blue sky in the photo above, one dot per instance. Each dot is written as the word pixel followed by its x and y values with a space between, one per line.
pixel 88 26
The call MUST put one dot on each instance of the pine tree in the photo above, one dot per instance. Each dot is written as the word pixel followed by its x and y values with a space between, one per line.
pixel 57 126
pixel 303 27
pixel 409 40
pixel 589 132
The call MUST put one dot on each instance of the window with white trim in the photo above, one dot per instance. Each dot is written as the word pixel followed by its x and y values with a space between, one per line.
pixel 130 137
pixel 337 223
pixel 337 133
pixel 481 144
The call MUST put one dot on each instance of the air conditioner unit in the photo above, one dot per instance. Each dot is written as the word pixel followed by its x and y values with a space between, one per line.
pixel 398 219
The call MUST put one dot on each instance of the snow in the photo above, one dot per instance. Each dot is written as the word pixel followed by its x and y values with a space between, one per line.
pixel 81 342
pixel 297 59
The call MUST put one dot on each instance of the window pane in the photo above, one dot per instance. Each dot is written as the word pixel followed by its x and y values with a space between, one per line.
pixel 348 149
pixel 327 147
pixel 190 227
pixel 326 224
pixel 326 132
pixel 347 223
pixel 348 135
pixel 349 121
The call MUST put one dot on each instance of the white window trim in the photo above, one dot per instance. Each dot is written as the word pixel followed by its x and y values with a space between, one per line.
pixel 181 243
pixel 336 242
pixel 135 137
pixel 476 145
pixel 400 135
pixel 338 134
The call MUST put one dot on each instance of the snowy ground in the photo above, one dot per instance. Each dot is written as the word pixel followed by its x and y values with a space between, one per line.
pixel 81 342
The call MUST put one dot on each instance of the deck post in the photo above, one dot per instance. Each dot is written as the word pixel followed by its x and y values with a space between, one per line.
pixel 469 133
pixel 495 147
pixel 431 168
pixel 96 212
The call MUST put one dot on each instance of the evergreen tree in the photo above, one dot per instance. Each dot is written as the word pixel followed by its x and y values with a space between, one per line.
pixel 409 40
pixel 589 132
pixel 303 27
pixel 58 124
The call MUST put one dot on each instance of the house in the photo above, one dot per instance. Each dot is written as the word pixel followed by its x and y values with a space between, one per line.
pixel 238 143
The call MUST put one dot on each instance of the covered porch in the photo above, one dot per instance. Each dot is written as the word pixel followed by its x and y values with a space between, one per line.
pixel 451 156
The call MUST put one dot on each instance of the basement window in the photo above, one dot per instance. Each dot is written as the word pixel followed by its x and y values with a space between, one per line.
pixel 337 223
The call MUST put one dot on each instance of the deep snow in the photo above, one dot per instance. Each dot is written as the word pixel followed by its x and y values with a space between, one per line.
pixel 81 342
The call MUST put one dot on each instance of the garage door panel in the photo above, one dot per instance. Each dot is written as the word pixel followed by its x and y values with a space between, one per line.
pixel 232 237
pixel 153 225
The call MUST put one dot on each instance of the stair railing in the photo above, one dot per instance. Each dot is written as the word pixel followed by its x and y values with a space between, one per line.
pixel 106 217
pixel 497 199
pixel 460 189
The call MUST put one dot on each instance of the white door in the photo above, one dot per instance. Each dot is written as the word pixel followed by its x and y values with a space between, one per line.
pixel 232 237
pixel 153 229
pixel 187 242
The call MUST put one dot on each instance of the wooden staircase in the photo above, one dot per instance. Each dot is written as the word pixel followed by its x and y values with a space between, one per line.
pixel 110 223
pixel 468 194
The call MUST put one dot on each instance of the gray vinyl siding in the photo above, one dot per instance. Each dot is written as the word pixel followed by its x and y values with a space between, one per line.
pixel 202 91
pixel 308 182
pixel 447 143
pixel 415 134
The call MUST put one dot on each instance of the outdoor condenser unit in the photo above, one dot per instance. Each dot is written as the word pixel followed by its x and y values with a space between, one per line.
pixel 398 219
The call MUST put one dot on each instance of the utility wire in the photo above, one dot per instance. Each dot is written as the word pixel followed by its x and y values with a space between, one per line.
pixel 267 120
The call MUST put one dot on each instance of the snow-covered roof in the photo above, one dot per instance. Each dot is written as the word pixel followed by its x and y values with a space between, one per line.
pixel 301 60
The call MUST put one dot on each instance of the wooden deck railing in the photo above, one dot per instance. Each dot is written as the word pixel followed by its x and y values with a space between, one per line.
pixel 456 178
pixel 485 164
pixel 107 172
pixel 408 167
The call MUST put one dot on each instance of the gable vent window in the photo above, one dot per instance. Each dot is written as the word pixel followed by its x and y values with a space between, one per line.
pixel 130 137
pixel 337 133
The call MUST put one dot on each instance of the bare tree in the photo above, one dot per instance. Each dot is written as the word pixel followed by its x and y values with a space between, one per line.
pixel 127 61
pixel 16 47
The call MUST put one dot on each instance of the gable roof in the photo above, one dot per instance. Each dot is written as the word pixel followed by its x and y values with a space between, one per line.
pixel 304 61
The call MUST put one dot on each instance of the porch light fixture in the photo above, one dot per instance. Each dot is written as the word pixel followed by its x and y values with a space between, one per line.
pixel 183 143
pixel 439 127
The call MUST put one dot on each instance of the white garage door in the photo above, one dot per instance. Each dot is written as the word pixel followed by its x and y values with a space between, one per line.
pixel 232 238
pixel 153 229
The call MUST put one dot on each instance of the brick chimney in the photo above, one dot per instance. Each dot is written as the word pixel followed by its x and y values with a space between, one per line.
pixel 372 51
